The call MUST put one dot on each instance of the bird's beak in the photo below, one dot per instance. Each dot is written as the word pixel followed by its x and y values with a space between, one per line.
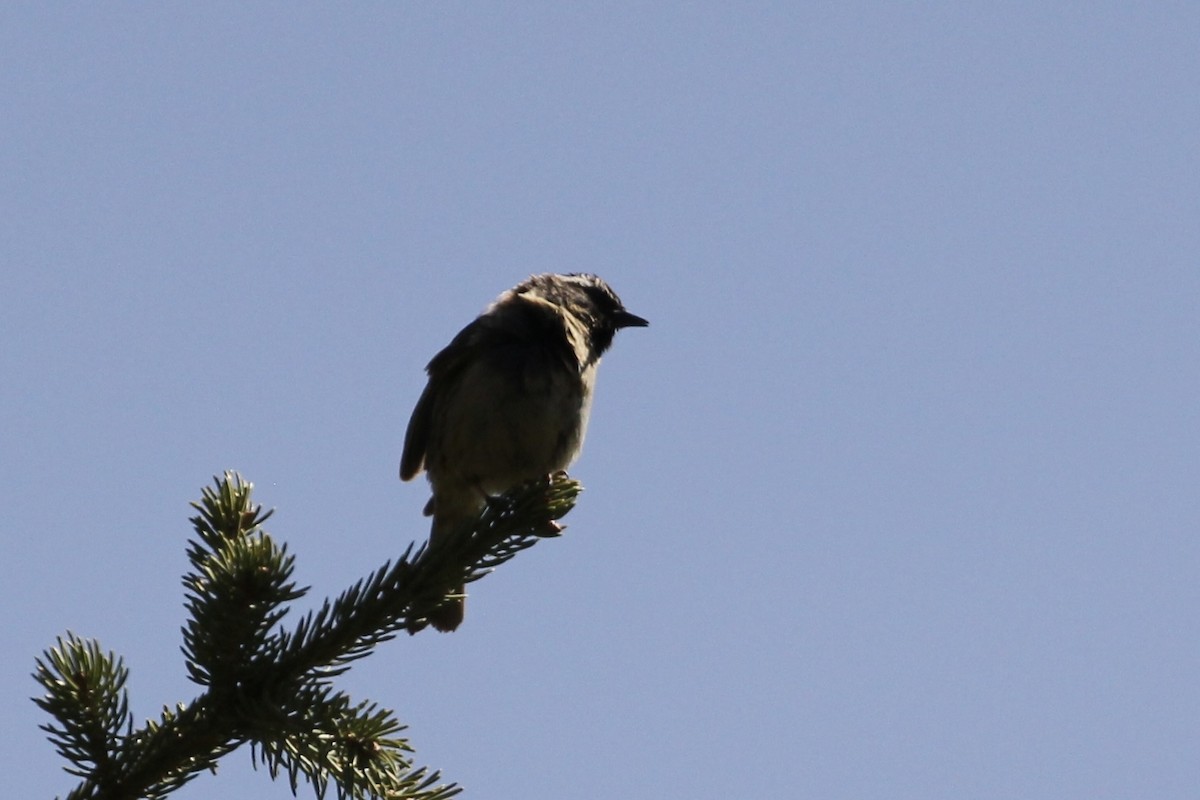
pixel 626 320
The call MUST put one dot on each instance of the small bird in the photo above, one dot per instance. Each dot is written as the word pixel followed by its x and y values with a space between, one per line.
pixel 508 400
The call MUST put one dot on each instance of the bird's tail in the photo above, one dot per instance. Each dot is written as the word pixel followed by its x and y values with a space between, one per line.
pixel 447 519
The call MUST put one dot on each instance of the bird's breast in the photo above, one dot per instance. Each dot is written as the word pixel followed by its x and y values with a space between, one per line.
pixel 509 420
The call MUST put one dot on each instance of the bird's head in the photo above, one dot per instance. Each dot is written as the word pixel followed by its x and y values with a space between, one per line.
pixel 585 301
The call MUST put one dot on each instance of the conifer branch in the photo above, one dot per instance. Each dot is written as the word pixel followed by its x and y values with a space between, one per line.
pixel 270 687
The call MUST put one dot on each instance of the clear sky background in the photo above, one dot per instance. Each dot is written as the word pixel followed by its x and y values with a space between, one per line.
pixel 897 497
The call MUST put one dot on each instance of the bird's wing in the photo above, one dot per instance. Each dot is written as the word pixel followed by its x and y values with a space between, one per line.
pixel 443 371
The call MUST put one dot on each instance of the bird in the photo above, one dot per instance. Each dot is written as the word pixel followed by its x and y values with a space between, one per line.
pixel 507 401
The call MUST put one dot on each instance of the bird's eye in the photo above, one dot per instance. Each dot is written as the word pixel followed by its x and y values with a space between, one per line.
pixel 604 301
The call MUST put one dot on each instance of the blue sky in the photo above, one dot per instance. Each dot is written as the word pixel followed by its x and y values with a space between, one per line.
pixel 896 498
